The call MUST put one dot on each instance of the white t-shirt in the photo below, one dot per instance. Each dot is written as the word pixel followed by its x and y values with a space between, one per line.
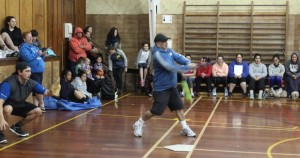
pixel 144 57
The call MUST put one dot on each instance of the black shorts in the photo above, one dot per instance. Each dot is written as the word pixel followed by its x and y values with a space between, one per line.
pixel 142 65
pixel 38 77
pixel 236 80
pixel 162 99
pixel 23 110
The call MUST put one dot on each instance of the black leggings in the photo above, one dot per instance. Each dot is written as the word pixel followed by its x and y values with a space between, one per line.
pixel 117 73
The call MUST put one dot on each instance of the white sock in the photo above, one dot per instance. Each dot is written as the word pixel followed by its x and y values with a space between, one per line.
pixel 183 124
pixel 141 120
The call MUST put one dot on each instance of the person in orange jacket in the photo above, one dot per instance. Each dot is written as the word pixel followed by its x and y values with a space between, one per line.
pixel 78 45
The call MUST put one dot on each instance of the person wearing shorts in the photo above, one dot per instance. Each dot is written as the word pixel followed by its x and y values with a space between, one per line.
pixel 165 81
pixel 237 74
pixel 143 62
pixel 13 93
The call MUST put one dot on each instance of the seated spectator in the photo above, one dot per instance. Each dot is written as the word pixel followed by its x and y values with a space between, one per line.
pixel 35 40
pixel 78 46
pixel 203 74
pixel 220 73
pixel 292 69
pixel 79 64
pixel 113 38
pixel 276 72
pixel 79 84
pixel 87 68
pixel 258 73
pixel 189 76
pixel 143 61
pixel 11 34
pixel 238 73
pixel 99 68
pixel 67 91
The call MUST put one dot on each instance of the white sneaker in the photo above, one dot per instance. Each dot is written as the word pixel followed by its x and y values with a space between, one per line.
pixel 294 95
pixel 193 95
pixel 273 91
pixel 251 95
pixel 138 129
pixel 187 132
pixel 260 95
pixel 226 92
pixel 214 92
pixel 181 94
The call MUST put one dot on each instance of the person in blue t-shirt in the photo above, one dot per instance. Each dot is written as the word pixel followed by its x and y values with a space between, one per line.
pixel 13 93
pixel 165 82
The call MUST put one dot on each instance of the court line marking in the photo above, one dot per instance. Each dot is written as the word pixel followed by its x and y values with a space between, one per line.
pixel 252 127
pixel 168 131
pixel 204 128
pixel 270 148
pixel 265 102
pixel 155 118
pixel 243 152
pixel 57 125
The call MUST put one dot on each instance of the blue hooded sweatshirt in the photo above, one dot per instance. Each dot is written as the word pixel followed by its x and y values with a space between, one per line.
pixel 166 64
pixel 30 54
pixel 245 69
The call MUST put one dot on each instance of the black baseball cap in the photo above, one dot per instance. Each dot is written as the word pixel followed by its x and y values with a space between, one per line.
pixel 160 38
pixel 21 66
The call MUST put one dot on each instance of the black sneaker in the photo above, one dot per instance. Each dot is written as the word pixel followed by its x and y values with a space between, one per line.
pixel 18 131
pixel 229 94
pixel 245 95
pixel 2 138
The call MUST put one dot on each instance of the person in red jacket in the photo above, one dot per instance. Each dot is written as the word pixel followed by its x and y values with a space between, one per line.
pixel 78 45
pixel 203 75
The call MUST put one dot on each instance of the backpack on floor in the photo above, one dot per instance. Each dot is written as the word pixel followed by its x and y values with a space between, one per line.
pixel 107 89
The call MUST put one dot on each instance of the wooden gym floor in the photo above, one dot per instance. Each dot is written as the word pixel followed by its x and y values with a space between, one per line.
pixel 225 128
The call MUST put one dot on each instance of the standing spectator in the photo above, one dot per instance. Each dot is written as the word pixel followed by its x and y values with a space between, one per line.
pixel 220 73
pixel 13 93
pixel 35 58
pixel 88 29
pixel 11 34
pixel 117 63
pixel 93 53
pixel 258 73
pixel 113 38
pixel 204 75
pixel 238 73
pixel 276 72
pixel 292 69
pixel 165 83
pixel 143 61
pixel 78 47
